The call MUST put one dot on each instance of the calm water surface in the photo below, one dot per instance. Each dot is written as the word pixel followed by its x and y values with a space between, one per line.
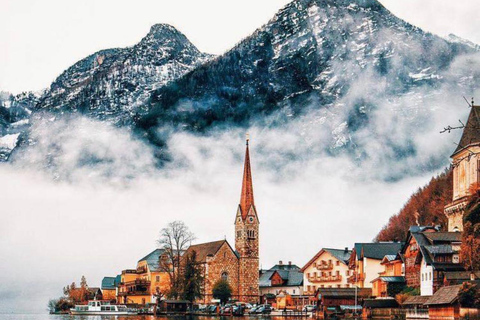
pixel 70 317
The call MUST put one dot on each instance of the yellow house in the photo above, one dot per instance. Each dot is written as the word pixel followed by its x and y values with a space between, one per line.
pixel 144 284
pixel 391 281
pixel 109 289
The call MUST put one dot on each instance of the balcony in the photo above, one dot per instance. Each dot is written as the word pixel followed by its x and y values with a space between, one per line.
pixel 324 266
pixel 356 278
pixel 138 282
pixel 335 278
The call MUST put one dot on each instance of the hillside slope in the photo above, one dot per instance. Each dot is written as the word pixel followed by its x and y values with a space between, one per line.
pixel 425 207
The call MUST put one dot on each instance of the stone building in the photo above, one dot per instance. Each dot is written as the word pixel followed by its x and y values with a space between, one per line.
pixel 466 170
pixel 240 267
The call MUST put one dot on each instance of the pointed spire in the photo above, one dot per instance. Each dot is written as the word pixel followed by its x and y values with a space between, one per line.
pixel 246 198
pixel 471 132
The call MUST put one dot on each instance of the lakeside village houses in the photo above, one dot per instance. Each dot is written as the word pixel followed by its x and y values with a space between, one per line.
pixel 428 260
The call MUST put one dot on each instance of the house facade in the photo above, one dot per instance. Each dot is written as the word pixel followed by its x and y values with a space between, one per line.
pixel 366 261
pixel 430 256
pixel 109 289
pixel 143 284
pixel 281 278
pixel 391 281
pixel 327 269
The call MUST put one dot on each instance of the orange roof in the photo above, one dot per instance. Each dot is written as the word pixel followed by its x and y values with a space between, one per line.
pixel 246 198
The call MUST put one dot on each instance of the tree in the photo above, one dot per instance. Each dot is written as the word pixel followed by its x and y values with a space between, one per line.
pixel 192 278
pixel 470 250
pixel 222 290
pixel 468 295
pixel 174 240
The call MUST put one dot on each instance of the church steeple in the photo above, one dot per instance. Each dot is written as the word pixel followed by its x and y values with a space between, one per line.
pixel 246 198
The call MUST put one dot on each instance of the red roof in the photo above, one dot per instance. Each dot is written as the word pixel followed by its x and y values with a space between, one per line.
pixel 246 198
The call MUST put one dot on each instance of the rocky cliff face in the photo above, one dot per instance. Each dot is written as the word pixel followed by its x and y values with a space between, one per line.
pixel 113 84
pixel 348 76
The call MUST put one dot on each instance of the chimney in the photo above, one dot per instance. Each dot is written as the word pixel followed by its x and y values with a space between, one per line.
pixel 346 249
pixel 280 262
pixel 289 263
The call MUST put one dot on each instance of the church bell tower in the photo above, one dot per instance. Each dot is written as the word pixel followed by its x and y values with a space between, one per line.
pixel 247 238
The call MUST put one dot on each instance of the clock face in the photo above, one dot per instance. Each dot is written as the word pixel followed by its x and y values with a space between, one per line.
pixel 251 219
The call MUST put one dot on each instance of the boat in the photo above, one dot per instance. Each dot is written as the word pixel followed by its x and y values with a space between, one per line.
pixel 96 307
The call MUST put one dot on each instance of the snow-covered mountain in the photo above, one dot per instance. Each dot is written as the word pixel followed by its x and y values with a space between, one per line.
pixel 15 112
pixel 371 81
pixel 113 84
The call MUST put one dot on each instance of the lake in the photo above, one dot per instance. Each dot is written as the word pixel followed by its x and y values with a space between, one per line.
pixel 70 317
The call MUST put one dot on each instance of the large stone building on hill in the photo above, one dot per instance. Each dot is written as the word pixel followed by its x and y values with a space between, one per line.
pixel 239 266
pixel 466 169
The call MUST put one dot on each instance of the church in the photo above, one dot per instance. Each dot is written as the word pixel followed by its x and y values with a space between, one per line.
pixel 238 265
pixel 466 170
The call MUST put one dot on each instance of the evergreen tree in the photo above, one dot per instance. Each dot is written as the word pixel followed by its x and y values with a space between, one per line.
pixel 192 278
pixel 222 290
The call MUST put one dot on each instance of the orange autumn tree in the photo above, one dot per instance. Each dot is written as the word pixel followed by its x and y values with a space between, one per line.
pixel 470 251
pixel 77 294
pixel 424 207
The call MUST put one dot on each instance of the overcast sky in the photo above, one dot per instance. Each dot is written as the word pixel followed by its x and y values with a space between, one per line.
pixel 41 38
pixel 62 230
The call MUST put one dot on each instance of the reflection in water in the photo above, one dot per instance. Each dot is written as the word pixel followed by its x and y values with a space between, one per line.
pixel 70 317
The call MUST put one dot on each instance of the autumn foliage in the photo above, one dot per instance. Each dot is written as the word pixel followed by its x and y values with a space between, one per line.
pixel 424 207
pixel 470 251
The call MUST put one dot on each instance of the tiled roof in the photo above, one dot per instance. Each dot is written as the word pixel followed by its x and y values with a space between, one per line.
pixel 340 254
pixel 108 283
pixel 118 279
pixel 285 267
pixel 291 278
pixel 153 259
pixel 377 250
pixel 436 237
pixel 380 303
pixel 204 250
pixel 344 292
pixel 470 134
pixel 444 295
pixel 390 257
pixel 440 249
pixel 416 300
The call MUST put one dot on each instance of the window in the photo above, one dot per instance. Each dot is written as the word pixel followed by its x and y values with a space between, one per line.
pixel 347 273
pixel 239 234
pixel 339 285
pixel 338 263
pixel 224 276
pixel 157 278
pixel 456 258
pixel 251 234
pixel 293 291
pixel 422 276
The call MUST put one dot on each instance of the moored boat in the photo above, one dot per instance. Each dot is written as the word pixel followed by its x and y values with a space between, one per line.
pixel 96 307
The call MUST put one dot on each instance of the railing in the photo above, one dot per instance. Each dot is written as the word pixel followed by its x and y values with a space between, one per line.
pixel 325 278
pixel 137 282
pixel 134 293
pixel 355 278
pixel 324 266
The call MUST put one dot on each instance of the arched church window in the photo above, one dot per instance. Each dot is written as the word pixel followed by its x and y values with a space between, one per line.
pixel 224 276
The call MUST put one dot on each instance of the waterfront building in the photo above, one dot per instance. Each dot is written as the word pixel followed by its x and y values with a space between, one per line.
pixel 109 289
pixel 327 269
pixel 391 281
pixel 146 283
pixel 429 256
pixel 366 261
pixel 240 267
pixel 286 278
